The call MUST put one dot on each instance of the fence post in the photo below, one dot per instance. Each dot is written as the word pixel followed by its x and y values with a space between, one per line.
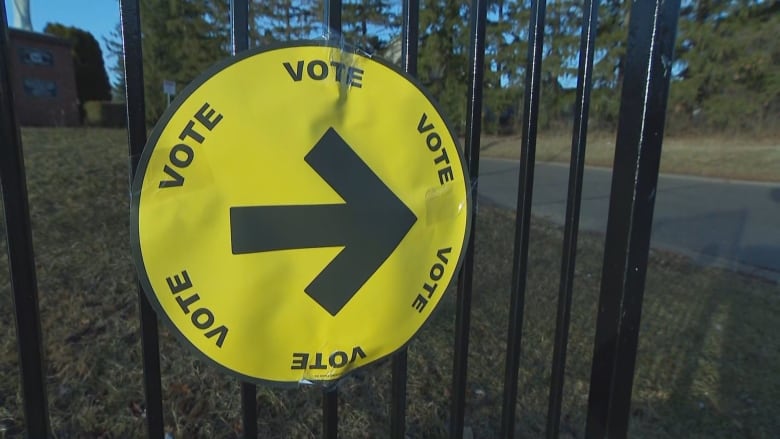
pixel 239 41
pixel 523 221
pixel 398 395
pixel 477 25
pixel 651 35
pixel 409 49
pixel 330 395
pixel 136 137
pixel 573 202
pixel 21 258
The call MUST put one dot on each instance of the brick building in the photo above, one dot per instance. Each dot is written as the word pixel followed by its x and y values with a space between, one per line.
pixel 44 84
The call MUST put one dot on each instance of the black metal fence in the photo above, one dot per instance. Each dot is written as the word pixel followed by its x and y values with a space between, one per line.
pixel 651 37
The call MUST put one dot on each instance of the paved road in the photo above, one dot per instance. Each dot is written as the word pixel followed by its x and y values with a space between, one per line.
pixel 716 222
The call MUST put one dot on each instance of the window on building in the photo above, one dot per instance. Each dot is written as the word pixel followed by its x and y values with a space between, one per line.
pixel 40 88
pixel 38 57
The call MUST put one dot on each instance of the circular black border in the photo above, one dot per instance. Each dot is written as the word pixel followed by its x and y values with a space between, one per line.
pixel 135 196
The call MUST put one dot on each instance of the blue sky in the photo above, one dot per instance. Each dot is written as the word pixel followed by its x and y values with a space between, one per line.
pixel 99 17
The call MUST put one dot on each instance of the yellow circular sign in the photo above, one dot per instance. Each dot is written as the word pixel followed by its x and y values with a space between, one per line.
pixel 298 212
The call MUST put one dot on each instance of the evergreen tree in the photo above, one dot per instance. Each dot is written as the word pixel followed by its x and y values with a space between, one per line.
pixel 180 40
pixel 559 62
pixel 288 20
pixel 114 45
pixel 504 49
pixel 218 12
pixel 443 62
pixel 726 75
pixel 91 79
pixel 609 61
pixel 369 24
pixel 729 66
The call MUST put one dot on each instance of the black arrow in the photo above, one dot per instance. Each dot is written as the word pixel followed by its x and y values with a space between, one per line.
pixel 369 225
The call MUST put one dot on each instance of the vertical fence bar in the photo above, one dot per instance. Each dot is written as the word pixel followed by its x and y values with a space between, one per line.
pixel 478 19
pixel 398 396
pixel 651 34
pixel 239 41
pixel 136 134
pixel 239 25
pixel 410 35
pixel 21 258
pixel 330 396
pixel 409 39
pixel 573 202
pixel 330 413
pixel 249 410
pixel 523 222
pixel 333 18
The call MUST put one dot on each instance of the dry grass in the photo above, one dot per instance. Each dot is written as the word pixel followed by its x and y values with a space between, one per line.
pixel 731 158
pixel 707 366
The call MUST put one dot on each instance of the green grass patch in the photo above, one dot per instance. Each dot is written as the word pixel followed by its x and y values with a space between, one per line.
pixel 707 365
pixel 716 156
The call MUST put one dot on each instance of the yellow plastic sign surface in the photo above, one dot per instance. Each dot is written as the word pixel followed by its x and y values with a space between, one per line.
pixel 298 212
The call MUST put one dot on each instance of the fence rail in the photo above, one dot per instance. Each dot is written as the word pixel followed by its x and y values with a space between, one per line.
pixel 20 251
pixel 651 38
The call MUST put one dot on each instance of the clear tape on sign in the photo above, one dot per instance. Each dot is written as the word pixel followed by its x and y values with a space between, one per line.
pixel 344 57
pixel 441 204
pixel 342 45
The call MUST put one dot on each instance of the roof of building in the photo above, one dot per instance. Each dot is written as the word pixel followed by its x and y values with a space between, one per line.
pixel 37 36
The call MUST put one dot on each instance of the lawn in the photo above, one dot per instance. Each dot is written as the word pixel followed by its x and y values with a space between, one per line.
pixel 741 158
pixel 707 363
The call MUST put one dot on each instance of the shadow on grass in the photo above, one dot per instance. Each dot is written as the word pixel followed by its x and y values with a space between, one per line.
pixel 723 381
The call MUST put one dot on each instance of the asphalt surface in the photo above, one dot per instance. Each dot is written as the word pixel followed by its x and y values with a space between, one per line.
pixel 730 224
